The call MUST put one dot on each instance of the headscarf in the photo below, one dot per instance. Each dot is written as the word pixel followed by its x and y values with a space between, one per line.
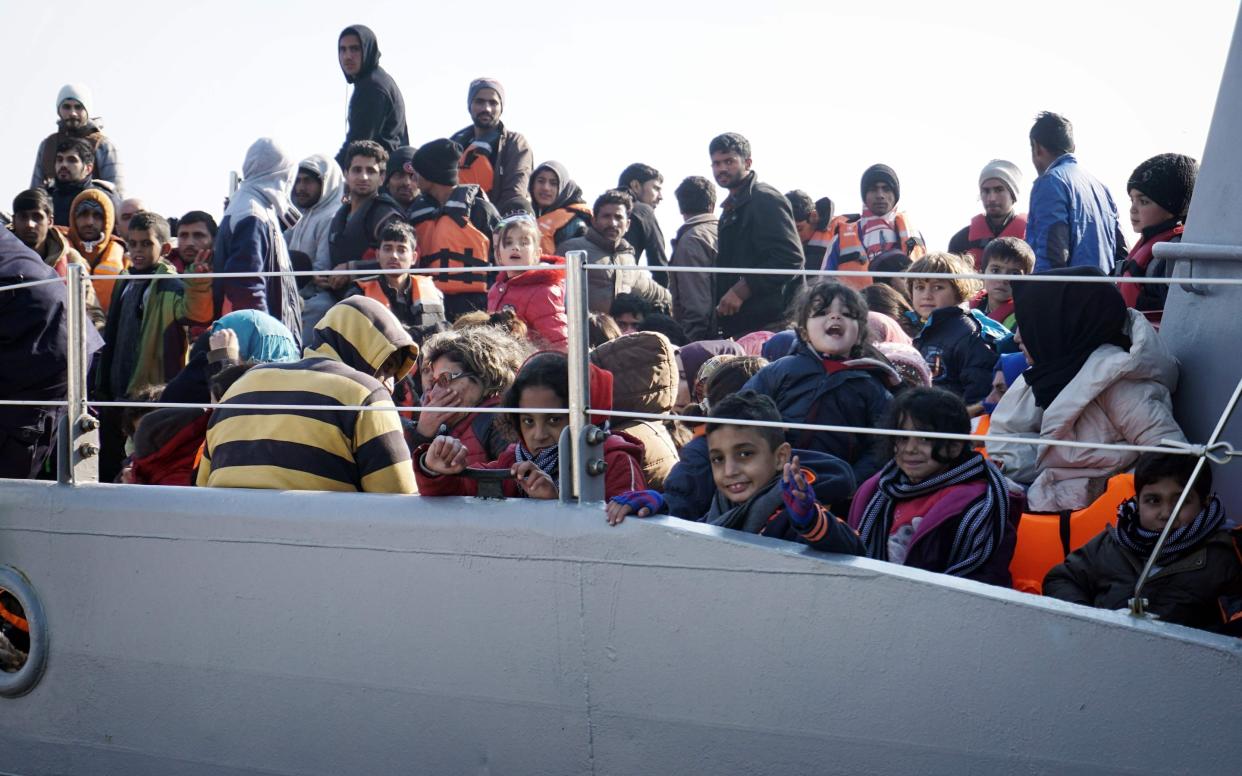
pixel 1062 324
pixel 260 337
pixel 567 192
pixel 885 329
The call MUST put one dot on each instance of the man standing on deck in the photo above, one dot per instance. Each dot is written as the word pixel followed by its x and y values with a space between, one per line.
pixel 1072 220
pixel 756 231
pixel 645 184
pixel 495 159
pixel 73 105
pixel 376 109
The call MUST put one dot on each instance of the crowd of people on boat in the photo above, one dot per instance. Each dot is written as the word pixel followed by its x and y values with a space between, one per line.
pixel 720 371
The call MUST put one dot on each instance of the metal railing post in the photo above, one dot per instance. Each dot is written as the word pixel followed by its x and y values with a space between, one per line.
pixel 579 369
pixel 1138 606
pixel 77 445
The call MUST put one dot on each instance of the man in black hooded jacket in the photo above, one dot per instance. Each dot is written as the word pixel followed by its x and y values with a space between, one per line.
pixel 376 109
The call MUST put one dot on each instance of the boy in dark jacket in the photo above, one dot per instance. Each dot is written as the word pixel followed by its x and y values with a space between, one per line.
pixel 761 487
pixel 1198 572
pixel 954 342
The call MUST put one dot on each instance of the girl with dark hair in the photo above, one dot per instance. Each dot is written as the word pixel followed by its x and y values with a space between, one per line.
pixel 938 505
pixel 533 460
pixel 833 377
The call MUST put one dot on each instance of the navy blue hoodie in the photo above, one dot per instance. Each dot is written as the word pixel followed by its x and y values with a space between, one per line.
pixel 376 109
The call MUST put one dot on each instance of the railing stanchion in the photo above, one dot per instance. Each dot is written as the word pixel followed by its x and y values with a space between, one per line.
pixel 1138 606
pixel 579 369
pixel 77 443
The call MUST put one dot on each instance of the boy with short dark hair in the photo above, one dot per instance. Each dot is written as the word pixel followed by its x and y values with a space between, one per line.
pixel 1196 581
pixel 762 487
pixel 954 343
pixel 414 299
pixel 1002 256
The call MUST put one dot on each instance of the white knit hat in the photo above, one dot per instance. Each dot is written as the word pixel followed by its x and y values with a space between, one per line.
pixel 77 92
pixel 1005 172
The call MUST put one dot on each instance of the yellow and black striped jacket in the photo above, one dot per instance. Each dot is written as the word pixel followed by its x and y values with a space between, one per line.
pixel 316 448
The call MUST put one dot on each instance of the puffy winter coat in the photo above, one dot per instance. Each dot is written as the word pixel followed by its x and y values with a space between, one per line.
pixel 537 296
pixel 960 359
pixel 855 394
pixel 1118 397
pixel 1102 573
pixel 645 378
pixel 605 284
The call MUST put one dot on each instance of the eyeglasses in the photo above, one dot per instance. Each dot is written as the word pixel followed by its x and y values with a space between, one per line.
pixel 444 379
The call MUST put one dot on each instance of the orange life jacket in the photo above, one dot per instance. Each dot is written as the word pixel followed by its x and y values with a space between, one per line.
pixel 448 238
pixel 421 287
pixel 475 166
pixel 553 222
pixel 980 234
pixel 820 242
pixel 852 255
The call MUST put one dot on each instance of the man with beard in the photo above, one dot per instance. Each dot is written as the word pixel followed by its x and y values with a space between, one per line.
pixel 999 184
pixel 376 109
pixel 92 217
pixel 605 243
pixel 73 109
pixel 196 233
pixel 32 223
pixel 318 192
pixel 497 160
pixel 756 231
pixel 401 181
pixel 74 168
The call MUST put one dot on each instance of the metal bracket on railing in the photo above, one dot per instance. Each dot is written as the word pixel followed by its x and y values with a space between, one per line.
pixel 77 443
pixel 591 465
pixel 1212 450
pixel 1173 252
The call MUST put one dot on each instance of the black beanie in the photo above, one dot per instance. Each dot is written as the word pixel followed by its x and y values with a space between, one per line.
pixel 1168 180
pixel 402 159
pixel 881 172
pixel 437 161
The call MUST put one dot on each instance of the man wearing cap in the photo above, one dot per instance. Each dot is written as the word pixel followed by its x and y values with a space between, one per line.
pixel 454 222
pixel 401 182
pixel 497 160
pixel 999 184
pixel 858 238
pixel 73 105
pixel 376 108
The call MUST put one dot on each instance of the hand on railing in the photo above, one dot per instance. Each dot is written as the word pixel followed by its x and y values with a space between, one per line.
pixel 535 481
pixel 445 455
pixel 642 503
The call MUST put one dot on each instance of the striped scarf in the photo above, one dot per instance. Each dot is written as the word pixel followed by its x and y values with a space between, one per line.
pixel 979 531
pixel 1134 537
pixel 548 460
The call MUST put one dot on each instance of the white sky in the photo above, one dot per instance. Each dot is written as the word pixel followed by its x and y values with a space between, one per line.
pixel 822 90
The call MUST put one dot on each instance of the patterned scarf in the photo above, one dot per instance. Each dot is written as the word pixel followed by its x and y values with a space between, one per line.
pixel 982 523
pixel 548 460
pixel 1134 537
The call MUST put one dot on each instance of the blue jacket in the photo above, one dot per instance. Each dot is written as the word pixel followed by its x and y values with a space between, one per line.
pixel 689 487
pixel 958 354
pixel 805 392
pixel 1068 195
pixel 254 244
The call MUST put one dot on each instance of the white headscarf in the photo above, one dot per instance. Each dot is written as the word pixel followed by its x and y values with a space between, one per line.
pixel 267 180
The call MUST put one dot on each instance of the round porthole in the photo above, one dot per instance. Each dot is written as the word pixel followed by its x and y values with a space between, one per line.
pixel 23 635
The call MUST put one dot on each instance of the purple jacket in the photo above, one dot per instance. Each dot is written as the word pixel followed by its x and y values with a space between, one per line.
pixel 933 539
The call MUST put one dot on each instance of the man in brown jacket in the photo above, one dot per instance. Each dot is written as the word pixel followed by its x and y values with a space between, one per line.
pixel 497 160
pixel 694 301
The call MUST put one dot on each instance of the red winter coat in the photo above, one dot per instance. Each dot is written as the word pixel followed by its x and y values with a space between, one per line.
pixel 538 298
pixel 174 462
pixel 623 455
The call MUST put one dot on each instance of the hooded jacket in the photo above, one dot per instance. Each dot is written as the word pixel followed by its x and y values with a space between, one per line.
pixel 376 109
pixel 310 234
pixel 645 379
pixel 313 448
pixel 250 239
pixel 960 359
pixel 170 302
pixel 694 303
pixel 60 254
pixel 512 161
pixel 63 194
pixel 105 256
pixel 537 296
pixel 604 285
pixel 757 230
pixel 107 163
pixel 1184 590
pixel 567 217
pixel 810 389
pixel 1117 397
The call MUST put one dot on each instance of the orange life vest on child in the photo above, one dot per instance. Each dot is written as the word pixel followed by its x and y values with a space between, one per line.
pixel 448 238
pixel 980 234
pixel 475 166
pixel 553 222
pixel 852 255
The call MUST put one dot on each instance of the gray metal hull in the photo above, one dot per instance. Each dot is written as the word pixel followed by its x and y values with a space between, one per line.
pixel 197 631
